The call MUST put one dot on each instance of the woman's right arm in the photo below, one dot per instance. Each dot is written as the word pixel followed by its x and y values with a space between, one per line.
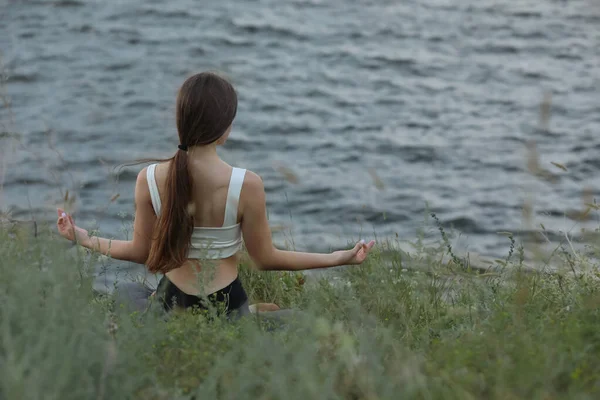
pixel 136 249
pixel 257 237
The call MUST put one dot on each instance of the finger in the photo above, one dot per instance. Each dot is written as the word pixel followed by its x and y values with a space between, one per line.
pixel 71 220
pixel 62 213
pixel 366 249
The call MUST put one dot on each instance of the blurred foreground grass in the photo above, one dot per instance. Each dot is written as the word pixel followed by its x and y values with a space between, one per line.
pixel 378 331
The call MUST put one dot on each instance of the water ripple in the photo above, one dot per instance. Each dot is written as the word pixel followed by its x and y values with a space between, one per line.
pixel 438 98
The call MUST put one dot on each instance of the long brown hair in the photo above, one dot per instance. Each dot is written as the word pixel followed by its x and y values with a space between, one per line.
pixel 206 107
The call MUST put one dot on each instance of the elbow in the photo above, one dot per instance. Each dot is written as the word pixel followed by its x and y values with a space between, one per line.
pixel 139 257
pixel 262 265
pixel 267 261
pixel 140 260
pixel 140 251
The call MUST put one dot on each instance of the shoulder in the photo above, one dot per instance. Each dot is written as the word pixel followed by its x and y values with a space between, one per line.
pixel 253 191
pixel 253 183
pixel 160 168
pixel 142 176
pixel 142 191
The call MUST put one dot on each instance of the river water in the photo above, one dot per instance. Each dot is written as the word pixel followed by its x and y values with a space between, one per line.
pixel 376 109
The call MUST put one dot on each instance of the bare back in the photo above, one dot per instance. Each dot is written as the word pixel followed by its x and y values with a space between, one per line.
pixel 211 180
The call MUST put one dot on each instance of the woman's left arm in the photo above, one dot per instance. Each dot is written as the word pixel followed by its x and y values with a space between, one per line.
pixel 135 250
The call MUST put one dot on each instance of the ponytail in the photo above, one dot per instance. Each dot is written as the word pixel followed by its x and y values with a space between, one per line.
pixel 206 107
pixel 175 225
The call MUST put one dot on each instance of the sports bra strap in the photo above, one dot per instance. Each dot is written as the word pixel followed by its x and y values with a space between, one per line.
pixel 154 195
pixel 233 196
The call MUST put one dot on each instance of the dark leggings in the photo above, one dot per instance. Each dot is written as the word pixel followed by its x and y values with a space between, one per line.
pixel 136 297
pixel 232 299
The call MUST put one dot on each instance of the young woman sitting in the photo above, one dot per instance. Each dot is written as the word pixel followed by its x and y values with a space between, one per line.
pixel 193 210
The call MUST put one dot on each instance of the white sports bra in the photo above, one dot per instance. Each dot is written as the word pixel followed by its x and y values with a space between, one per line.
pixel 211 243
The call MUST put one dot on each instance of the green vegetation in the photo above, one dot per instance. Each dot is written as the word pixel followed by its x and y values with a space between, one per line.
pixel 421 324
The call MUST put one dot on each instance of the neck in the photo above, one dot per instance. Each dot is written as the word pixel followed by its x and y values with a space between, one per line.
pixel 204 153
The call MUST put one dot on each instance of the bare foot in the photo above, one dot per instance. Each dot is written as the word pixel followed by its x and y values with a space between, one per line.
pixel 263 307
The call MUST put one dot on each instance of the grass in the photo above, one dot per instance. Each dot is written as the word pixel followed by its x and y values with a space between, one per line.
pixel 427 324
pixel 404 325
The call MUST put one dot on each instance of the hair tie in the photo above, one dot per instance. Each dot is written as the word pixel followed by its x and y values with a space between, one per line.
pixel 182 147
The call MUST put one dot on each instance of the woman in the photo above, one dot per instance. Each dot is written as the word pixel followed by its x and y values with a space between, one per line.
pixel 193 209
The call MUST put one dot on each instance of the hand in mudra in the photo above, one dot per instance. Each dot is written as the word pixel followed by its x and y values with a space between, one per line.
pixel 357 255
pixel 67 228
